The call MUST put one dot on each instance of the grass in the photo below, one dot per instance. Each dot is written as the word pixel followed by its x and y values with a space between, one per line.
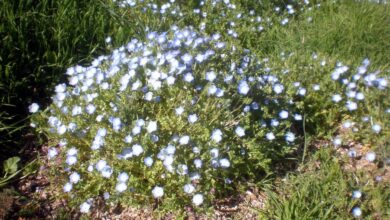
pixel 345 30
pixel 319 193
pixel 350 32
pixel 323 190
pixel 40 39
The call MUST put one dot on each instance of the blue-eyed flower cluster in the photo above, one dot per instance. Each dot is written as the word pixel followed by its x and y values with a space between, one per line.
pixel 238 17
pixel 178 111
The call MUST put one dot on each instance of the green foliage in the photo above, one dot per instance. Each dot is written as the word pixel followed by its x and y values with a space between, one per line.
pixel 323 190
pixel 11 165
pixel 12 170
pixel 344 30
pixel 320 193
pixel 39 39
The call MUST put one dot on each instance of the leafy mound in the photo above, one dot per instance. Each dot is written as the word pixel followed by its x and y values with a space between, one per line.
pixel 180 116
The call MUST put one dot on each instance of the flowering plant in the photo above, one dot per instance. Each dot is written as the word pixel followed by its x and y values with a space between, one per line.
pixel 180 117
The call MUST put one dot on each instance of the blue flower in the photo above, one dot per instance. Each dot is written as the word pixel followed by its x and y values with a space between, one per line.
pixel 120 187
pixel 243 87
pixel 216 136
pixel 158 192
pixel 192 118
pixel 239 131
pixel 148 161
pixel 356 194
pixel 356 212
pixel 34 107
pixel 270 136
pixel 123 177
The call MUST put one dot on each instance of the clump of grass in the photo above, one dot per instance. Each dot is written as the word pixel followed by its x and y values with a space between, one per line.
pixel 326 193
pixel 321 192
pixel 39 39
pixel 324 189
pixel 345 30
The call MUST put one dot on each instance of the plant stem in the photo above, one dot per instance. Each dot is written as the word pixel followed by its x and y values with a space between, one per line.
pixel 305 139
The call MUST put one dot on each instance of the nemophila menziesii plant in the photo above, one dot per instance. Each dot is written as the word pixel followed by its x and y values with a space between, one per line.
pixel 183 118
pixel 236 19
pixel 180 118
